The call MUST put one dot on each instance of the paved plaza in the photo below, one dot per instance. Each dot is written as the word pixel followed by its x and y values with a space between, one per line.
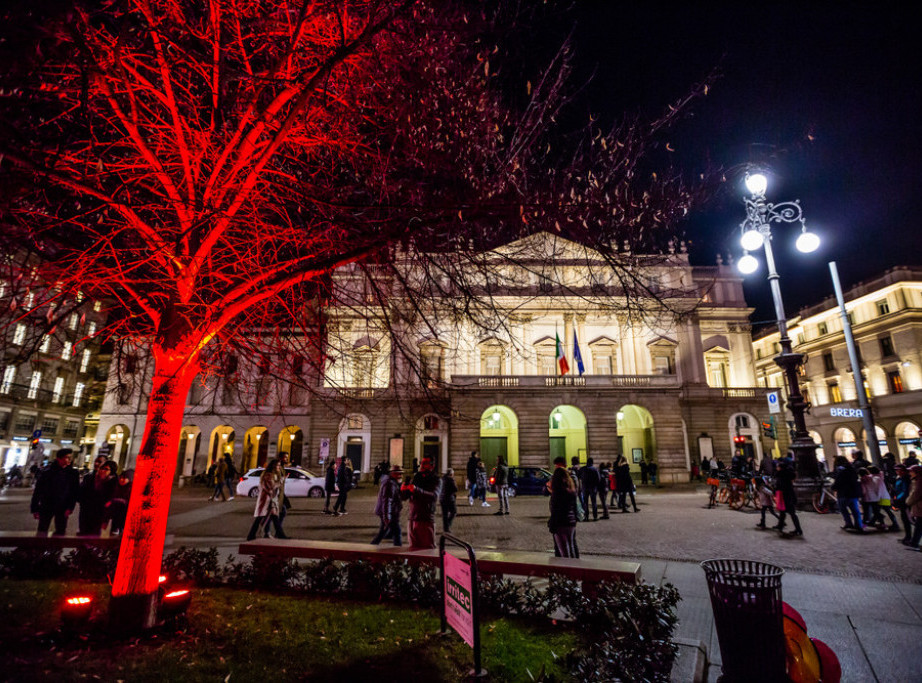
pixel 861 594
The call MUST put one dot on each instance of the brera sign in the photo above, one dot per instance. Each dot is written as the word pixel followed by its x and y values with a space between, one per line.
pixel 846 412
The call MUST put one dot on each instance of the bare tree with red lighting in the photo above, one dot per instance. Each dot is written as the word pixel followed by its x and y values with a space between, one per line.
pixel 204 167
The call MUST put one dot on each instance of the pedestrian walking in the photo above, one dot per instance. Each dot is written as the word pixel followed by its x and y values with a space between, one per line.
pixel 231 475
pixel 563 513
pixel 388 507
pixel 590 479
pixel 604 472
pixel 481 478
pixel 447 499
pixel 914 503
pixel 847 488
pixel 117 508
pixel 55 494
pixel 423 493
pixel 329 485
pixel 95 491
pixel 472 475
pixel 625 484
pixel 267 502
pixel 344 483
pixel 784 481
pixel 766 500
pixel 284 503
pixel 501 481
pixel 901 488
pixel 220 479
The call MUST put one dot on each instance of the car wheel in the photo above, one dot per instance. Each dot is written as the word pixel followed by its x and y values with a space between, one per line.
pixel 253 492
pixel 315 492
pixel 511 492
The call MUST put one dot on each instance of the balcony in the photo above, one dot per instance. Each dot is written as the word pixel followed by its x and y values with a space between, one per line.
pixel 554 381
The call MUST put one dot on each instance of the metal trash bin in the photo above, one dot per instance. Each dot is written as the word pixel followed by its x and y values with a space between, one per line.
pixel 746 599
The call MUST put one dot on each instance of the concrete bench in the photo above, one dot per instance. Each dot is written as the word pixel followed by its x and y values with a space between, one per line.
pixel 589 570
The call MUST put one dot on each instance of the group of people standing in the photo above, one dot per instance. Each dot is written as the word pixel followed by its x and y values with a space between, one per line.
pixel 102 494
pixel 424 491
pixel 596 484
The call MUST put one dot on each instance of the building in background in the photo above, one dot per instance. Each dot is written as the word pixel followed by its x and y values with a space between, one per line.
pixel 667 375
pixel 886 318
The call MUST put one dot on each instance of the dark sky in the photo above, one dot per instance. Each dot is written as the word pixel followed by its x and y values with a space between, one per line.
pixel 825 95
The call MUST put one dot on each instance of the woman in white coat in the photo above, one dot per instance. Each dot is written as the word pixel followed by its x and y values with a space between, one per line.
pixel 267 502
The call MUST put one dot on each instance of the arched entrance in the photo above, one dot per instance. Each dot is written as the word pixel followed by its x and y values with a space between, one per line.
pixel 636 438
pixel 820 453
pixel 119 439
pixel 881 442
pixel 432 440
pixel 291 441
pixel 907 439
pixel 567 434
pixel 499 435
pixel 255 447
pixel 354 441
pixel 189 441
pixel 845 442
pixel 746 426
pixel 221 444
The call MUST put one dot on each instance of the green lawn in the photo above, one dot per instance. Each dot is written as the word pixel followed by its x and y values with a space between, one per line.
pixel 239 635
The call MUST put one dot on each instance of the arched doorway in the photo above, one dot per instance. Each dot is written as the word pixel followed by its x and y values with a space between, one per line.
pixel 118 439
pixel 907 439
pixel 222 443
pixel 354 441
pixel 432 440
pixel 845 442
pixel 291 441
pixel 499 435
pixel 881 441
pixel 188 450
pixel 567 434
pixel 636 438
pixel 820 453
pixel 255 447
pixel 746 426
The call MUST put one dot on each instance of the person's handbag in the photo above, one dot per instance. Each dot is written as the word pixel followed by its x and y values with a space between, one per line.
pixel 779 501
pixel 286 503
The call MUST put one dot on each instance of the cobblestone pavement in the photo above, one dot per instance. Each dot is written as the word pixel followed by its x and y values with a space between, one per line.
pixel 672 525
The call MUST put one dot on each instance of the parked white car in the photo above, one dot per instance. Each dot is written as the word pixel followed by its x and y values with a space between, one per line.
pixel 299 484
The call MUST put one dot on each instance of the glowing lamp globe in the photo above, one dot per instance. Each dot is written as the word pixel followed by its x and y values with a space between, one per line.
pixel 807 242
pixel 751 240
pixel 748 264
pixel 756 183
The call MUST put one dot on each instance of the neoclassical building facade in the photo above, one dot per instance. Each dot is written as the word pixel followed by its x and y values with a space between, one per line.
pixel 445 359
pixel 886 317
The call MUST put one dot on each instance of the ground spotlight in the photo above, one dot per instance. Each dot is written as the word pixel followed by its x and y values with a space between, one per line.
pixel 175 603
pixel 76 610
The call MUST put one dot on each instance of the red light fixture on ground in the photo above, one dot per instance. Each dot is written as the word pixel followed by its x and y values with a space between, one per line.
pixel 175 603
pixel 76 610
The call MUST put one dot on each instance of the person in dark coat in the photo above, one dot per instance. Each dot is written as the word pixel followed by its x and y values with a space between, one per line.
pixel 329 485
pixel 590 480
pixel 388 507
pixel 625 484
pixel 472 475
pixel 423 493
pixel 784 482
pixel 447 499
pixel 344 483
pixel 55 494
pixel 117 507
pixel 563 518
pixel 847 488
pixel 95 491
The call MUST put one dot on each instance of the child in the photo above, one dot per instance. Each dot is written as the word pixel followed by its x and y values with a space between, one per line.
pixel 766 500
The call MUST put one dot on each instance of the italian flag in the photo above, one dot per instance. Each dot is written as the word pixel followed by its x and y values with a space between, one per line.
pixel 561 358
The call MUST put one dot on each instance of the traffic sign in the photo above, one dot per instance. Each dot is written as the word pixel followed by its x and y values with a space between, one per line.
pixel 774 401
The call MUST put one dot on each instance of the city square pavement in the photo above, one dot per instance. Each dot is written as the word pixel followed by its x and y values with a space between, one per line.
pixel 860 594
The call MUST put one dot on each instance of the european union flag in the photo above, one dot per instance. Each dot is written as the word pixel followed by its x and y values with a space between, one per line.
pixel 577 356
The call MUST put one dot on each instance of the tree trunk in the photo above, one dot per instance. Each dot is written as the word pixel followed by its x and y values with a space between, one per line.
pixel 134 592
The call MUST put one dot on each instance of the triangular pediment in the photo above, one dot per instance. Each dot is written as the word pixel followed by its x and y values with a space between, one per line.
pixel 546 246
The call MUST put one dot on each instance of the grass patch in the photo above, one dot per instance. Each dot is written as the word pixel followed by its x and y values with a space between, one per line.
pixel 252 636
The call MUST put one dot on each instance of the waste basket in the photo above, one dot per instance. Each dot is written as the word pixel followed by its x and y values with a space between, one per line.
pixel 746 599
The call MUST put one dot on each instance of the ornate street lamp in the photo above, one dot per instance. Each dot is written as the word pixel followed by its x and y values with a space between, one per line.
pixel 756 232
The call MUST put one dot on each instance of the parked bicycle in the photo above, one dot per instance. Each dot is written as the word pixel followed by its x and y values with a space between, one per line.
pixel 825 500
pixel 743 493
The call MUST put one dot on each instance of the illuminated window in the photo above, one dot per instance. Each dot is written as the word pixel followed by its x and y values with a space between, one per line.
pixel 78 393
pixel 895 382
pixel 34 384
pixel 91 330
pixel 46 344
pixel 30 300
pixel 72 321
pixel 602 364
pixel 97 306
pixel 717 372
pixel 50 426
pixel 79 296
pixel 430 423
pixel 835 394
pixel 85 360
pixel 364 368
pixel 9 376
pixel 547 360
pixel 19 334
pixel 58 389
pixel 354 422
pixel 67 351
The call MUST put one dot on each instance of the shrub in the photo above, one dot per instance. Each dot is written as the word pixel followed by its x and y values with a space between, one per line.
pixel 32 564
pixel 189 564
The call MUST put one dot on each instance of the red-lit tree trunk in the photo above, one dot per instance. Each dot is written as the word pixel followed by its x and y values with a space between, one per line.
pixel 134 604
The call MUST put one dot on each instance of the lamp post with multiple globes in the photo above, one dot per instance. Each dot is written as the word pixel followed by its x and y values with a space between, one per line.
pixel 756 232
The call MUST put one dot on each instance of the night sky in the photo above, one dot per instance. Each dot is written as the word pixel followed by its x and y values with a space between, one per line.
pixel 824 95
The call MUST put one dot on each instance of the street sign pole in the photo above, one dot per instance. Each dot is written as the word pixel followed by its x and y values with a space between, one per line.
pixel 464 616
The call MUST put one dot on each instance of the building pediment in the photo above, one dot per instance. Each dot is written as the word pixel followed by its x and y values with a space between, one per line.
pixel 544 246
